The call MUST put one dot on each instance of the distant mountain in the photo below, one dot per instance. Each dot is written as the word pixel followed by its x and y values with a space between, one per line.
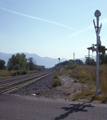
pixel 44 61
pixel 5 56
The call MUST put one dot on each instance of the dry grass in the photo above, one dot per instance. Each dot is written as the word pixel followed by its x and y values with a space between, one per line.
pixel 5 73
pixel 87 74
pixel 83 94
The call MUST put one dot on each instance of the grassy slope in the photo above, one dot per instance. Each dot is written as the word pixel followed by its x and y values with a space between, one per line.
pixel 87 74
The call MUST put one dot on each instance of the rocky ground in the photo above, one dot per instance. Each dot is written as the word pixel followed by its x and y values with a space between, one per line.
pixel 43 88
pixel 64 92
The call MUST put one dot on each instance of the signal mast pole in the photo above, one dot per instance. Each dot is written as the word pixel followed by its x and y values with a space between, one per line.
pixel 99 48
pixel 97 30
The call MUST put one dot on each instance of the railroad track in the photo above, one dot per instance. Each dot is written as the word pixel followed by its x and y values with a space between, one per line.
pixel 12 86
pixel 18 77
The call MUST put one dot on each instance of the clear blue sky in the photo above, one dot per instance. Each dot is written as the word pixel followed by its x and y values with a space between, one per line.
pixel 50 28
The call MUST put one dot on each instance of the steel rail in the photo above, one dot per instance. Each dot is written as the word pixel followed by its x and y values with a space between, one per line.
pixel 24 83
pixel 14 77
pixel 17 77
pixel 14 82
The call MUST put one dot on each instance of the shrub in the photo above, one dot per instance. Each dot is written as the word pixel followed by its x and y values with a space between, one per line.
pixel 5 73
pixel 71 65
pixel 83 94
pixel 21 72
pixel 56 81
pixel 75 80
pixel 87 74
pixel 14 74
pixel 103 84
pixel 55 76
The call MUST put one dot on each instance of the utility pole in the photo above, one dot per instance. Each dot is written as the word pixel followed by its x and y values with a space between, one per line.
pixel 73 56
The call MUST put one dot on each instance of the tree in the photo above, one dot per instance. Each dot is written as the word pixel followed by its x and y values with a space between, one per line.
pixel 31 64
pixel 2 64
pixel 17 62
pixel 79 62
pixel 90 61
pixel 103 59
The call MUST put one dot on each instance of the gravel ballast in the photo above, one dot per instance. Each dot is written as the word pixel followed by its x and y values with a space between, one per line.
pixel 43 88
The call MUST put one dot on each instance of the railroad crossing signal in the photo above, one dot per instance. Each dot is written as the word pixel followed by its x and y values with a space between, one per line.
pixel 97 47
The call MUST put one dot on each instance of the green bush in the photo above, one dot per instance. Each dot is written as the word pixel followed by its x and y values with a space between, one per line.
pixel 71 65
pixel 14 74
pixel 55 76
pixel 75 81
pixel 56 81
pixel 24 72
pixel 21 72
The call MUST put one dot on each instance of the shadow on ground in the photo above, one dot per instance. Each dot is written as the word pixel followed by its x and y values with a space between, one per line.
pixel 73 108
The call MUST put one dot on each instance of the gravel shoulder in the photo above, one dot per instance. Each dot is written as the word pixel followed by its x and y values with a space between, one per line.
pixel 66 91
pixel 43 88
